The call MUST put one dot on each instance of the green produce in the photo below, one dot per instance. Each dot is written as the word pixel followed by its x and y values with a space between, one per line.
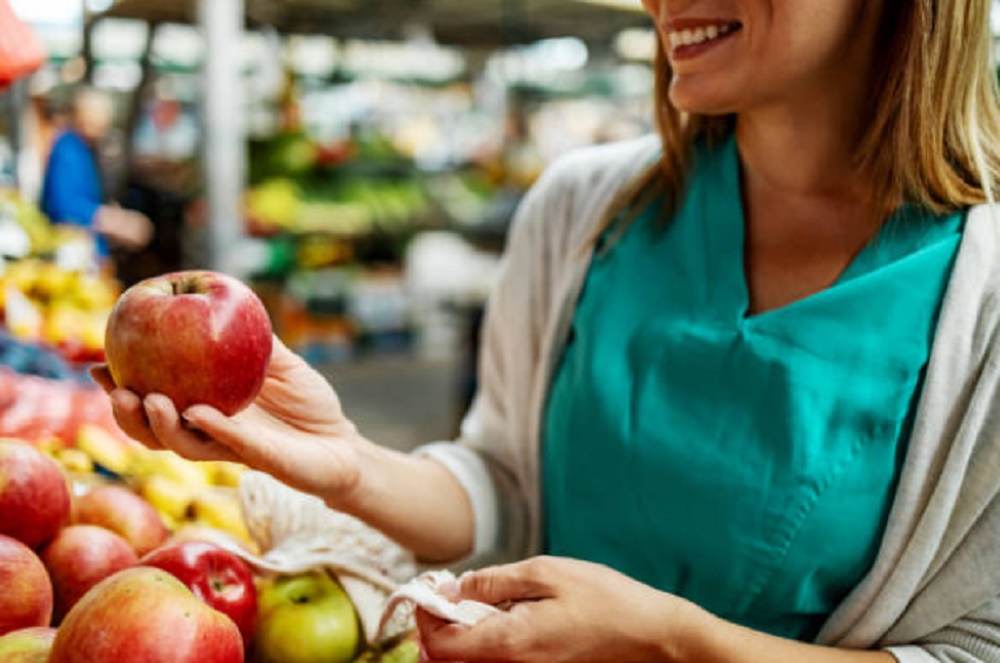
pixel 407 651
pixel 306 618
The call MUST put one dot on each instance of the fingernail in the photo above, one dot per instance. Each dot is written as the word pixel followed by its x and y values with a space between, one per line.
pixel 189 422
pixel 116 399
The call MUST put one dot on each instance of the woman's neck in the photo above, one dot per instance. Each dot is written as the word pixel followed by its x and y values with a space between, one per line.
pixel 801 152
pixel 804 144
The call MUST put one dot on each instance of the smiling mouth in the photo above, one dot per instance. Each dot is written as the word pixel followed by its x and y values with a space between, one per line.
pixel 702 35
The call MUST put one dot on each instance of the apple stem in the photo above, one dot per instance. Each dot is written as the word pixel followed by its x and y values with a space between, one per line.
pixel 184 286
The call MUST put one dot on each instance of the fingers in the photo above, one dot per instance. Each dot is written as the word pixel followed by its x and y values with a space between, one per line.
pixel 436 636
pixel 523 581
pixel 170 431
pixel 102 376
pixel 499 637
pixel 131 417
pixel 228 432
pixel 154 422
pixel 490 641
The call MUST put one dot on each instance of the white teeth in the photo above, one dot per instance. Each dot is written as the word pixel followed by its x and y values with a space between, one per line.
pixel 698 35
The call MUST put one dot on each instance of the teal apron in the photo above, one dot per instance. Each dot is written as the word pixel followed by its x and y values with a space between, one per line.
pixel 745 462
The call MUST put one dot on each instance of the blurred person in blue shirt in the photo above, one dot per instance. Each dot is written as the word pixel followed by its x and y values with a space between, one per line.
pixel 72 192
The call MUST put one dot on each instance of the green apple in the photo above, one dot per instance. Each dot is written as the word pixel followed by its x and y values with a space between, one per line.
pixel 407 651
pixel 305 618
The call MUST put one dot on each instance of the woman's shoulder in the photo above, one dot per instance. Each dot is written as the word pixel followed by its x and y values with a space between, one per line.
pixel 602 169
pixel 577 190
pixel 978 262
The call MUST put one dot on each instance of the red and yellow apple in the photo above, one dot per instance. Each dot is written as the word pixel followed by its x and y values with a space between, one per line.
pixel 126 514
pixel 145 614
pixel 306 618
pixel 26 595
pixel 29 645
pixel 215 575
pixel 34 496
pixel 80 557
pixel 195 336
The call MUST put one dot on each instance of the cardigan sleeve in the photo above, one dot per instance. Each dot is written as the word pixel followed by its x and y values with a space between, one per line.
pixel 975 638
pixel 486 460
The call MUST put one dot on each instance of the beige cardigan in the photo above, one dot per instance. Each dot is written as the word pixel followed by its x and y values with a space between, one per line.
pixel 933 593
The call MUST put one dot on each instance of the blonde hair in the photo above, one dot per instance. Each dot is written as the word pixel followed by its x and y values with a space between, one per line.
pixel 933 136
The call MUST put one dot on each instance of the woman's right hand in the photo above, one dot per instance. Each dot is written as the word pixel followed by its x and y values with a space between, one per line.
pixel 295 430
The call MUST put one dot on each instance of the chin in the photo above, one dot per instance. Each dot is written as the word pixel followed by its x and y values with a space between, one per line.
pixel 710 91
pixel 690 97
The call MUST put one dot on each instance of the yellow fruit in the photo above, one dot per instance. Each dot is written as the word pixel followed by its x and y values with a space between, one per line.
pixel 74 460
pixel 220 510
pixel 92 293
pixel 169 465
pixel 92 334
pixel 105 448
pixel 227 474
pixel 50 445
pixel 63 322
pixel 52 282
pixel 169 498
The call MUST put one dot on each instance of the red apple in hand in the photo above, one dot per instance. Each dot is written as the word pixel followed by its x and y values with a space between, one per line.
pixel 145 614
pixel 34 497
pixel 126 514
pixel 196 337
pixel 215 575
pixel 25 590
pixel 80 557
pixel 29 645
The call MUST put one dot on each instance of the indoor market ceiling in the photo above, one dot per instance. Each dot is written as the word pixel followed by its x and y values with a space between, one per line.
pixel 456 22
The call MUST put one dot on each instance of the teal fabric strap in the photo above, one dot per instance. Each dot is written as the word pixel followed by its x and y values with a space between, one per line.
pixel 746 462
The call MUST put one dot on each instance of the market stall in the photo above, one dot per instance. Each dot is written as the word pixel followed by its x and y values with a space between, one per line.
pixel 358 169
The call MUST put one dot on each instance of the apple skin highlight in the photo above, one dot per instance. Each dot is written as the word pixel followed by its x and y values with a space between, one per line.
pixel 197 337
pixel 216 576
pixel 145 614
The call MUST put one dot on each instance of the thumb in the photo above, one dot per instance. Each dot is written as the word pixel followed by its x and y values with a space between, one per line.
pixel 282 358
pixel 523 581
pixel 102 376
pixel 225 430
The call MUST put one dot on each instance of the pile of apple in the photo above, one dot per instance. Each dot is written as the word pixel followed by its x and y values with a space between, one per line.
pixel 97 578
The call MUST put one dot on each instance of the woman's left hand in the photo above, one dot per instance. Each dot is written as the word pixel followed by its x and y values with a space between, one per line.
pixel 560 610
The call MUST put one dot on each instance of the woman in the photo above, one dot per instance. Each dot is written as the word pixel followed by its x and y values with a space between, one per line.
pixel 763 427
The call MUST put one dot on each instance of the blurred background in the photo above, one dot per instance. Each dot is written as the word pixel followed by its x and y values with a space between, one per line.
pixel 356 161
